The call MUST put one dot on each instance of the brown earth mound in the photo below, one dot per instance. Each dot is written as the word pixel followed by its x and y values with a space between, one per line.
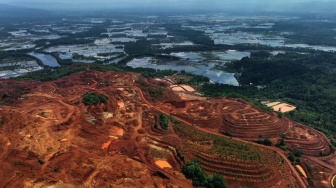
pixel 308 140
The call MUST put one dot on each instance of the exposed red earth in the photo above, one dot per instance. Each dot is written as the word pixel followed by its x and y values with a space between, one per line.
pixel 248 122
pixel 49 137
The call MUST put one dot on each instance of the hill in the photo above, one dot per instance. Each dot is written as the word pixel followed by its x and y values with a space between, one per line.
pixel 9 13
pixel 50 137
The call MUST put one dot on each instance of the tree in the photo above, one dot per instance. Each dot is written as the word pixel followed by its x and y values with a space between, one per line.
pixel 94 98
pixel 282 140
pixel 192 170
pixel 216 181
pixel 164 121
pixel 297 153
pixel 268 142
pixel 280 115
pixel 228 133
pixel 292 158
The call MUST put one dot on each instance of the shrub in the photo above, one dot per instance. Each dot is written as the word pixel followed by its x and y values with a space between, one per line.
pixel 192 170
pixel 18 163
pixel 227 133
pixel 297 153
pixel 164 121
pixel 268 142
pixel 2 121
pixel 292 158
pixel 215 181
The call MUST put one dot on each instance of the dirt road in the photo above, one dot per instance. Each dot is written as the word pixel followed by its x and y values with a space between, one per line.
pixel 277 150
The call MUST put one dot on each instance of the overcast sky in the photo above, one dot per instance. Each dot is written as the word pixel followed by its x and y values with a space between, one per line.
pixel 180 4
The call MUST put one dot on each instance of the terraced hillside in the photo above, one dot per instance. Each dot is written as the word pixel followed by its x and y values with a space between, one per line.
pixel 243 120
pixel 232 115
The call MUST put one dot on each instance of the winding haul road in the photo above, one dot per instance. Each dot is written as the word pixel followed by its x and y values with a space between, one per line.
pixel 277 150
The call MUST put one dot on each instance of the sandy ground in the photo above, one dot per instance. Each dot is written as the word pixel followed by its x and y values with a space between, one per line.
pixel 301 170
pixel 120 132
pixel 284 107
pixel 116 131
pixel 107 115
pixel 177 88
pixel 332 181
pixel 106 145
pixel 162 164
pixel 186 96
pixel 121 104
pixel 272 104
pixel 188 88
pixel 181 88
pixel 159 79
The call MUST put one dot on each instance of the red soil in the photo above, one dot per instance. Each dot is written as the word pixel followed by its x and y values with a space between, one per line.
pixel 248 122
pixel 49 137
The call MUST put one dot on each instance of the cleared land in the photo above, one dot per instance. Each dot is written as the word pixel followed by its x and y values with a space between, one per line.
pixel 284 107
pixel 272 104
pixel 49 133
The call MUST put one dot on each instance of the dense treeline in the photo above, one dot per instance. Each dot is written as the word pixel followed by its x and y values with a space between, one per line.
pixel 308 32
pixel 140 47
pixel 247 93
pixel 197 37
pixel 261 69
pixel 53 73
pixel 305 80
pixel 85 37
pixel 18 55
pixel 48 73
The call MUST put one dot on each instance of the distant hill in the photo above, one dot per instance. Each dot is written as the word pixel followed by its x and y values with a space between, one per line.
pixel 211 5
pixel 17 13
